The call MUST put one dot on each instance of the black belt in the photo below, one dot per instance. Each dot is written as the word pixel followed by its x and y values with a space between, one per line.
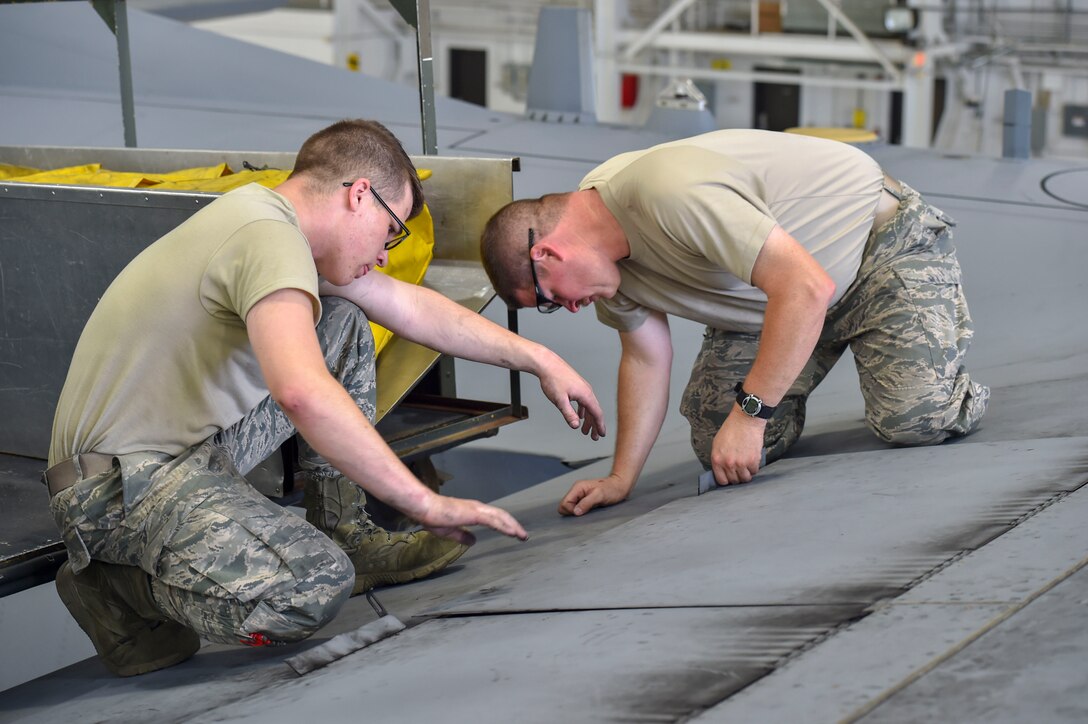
pixel 65 474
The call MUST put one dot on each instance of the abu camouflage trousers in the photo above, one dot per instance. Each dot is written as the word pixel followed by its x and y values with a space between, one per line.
pixel 906 322
pixel 223 559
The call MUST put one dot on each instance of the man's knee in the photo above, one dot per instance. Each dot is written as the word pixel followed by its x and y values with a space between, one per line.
pixel 293 581
pixel 785 426
pixel 916 436
pixel 337 308
pixel 344 325
pixel 300 611
pixel 348 344
pixel 929 415
pixel 702 442
pixel 910 417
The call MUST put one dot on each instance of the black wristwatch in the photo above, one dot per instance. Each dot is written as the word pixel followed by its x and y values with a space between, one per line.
pixel 752 405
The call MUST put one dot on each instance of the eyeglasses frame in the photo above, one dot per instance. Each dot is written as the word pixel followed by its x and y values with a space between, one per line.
pixel 543 304
pixel 404 231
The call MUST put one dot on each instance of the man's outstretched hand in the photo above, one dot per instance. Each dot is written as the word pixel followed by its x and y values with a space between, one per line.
pixel 573 397
pixel 585 495
pixel 447 517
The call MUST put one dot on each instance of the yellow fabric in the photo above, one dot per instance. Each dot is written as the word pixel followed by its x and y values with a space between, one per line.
pixel 92 174
pixel 408 262
pixel 269 178
pixel 197 174
pixel 9 171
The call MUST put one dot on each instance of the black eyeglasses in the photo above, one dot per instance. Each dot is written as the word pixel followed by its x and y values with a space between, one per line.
pixel 543 304
pixel 403 234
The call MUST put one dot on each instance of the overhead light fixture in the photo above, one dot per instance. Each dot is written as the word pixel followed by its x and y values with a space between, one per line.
pixel 900 19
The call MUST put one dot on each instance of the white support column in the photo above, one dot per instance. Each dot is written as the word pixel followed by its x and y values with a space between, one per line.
pixel 918 84
pixel 606 20
pixel 919 81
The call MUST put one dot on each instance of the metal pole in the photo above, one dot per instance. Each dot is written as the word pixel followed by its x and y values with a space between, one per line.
pixel 128 103
pixel 417 13
pixel 115 15
pixel 515 376
pixel 426 78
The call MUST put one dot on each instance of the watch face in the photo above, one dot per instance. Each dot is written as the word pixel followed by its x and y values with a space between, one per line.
pixel 751 405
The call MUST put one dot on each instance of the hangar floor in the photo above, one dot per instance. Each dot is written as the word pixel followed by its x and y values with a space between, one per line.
pixel 851 582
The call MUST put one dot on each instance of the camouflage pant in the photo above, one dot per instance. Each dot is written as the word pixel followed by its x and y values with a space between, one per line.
pixel 906 321
pixel 223 559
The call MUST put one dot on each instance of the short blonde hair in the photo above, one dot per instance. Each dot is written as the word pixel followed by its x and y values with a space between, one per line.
pixel 358 148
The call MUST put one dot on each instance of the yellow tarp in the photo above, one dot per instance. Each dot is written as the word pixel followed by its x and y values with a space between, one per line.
pixel 8 171
pixel 408 262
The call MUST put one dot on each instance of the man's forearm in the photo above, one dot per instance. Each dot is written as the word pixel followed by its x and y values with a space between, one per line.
pixel 790 332
pixel 426 317
pixel 643 395
pixel 444 325
pixel 641 402
pixel 336 428
pixel 798 291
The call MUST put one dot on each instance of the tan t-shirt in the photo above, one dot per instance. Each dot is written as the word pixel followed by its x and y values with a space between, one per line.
pixel 697 212
pixel 165 361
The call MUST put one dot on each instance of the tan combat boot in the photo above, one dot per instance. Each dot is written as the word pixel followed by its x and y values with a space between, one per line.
pixel 114 607
pixel 334 505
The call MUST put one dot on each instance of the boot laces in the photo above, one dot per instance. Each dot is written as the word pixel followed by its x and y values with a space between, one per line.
pixel 364 527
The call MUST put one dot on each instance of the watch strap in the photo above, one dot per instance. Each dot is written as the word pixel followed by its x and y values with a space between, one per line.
pixel 752 405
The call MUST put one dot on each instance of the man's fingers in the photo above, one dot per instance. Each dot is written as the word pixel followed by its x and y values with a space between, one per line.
pixel 581 499
pixel 592 422
pixel 576 493
pixel 451 514
pixel 588 502
pixel 506 524
pixel 569 413
pixel 579 408
pixel 516 531
pixel 732 474
pixel 597 415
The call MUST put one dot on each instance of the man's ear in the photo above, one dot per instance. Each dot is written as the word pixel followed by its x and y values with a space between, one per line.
pixel 547 249
pixel 358 191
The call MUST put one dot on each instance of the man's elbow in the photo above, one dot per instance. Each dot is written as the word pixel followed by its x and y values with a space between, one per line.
pixel 824 289
pixel 813 291
pixel 295 399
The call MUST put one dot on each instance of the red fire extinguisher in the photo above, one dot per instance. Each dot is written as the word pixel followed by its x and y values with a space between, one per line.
pixel 628 90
